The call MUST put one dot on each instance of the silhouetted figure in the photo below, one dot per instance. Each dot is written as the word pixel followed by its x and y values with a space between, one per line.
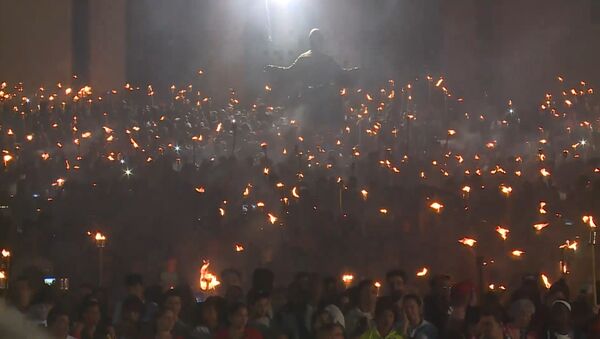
pixel 318 77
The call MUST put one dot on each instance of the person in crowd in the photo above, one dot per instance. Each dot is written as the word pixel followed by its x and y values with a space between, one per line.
pixel 330 331
pixel 237 324
pixel 560 324
pixel 490 325
pixel 162 327
pixel 58 323
pixel 207 319
pixel 43 301
pixel 521 313
pixel 172 300
pixel 416 326
pixel 360 317
pixel 130 325
pixel 134 286
pixel 230 277
pixel 396 281
pixel 462 300
pixel 91 325
pixel 21 294
pixel 260 312
pixel 437 302
pixel 385 318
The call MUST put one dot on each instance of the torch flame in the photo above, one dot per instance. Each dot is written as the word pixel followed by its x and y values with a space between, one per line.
pixel 542 209
pixel 5 253
pixel 468 242
pixel 544 172
pixel 545 280
pixel 208 281
pixel 588 219
pixel 506 190
pixel 540 226
pixel 503 232
pixel 436 206
pixel 295 192
pixel 272 218
pixel 239 247
pixel 569 245
pixel 99 236
pixel 423 272
pixel 347 278
pixel 517 253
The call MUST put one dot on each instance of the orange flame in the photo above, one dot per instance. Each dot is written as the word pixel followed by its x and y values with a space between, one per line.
pixel 272 218
pixel 5 253
pixel 542 209
pixel 208 281
pixel 468 242
pixel 589 220
pixel 436 206
pixel 569 245
pixel 503 232
pixel 347 278
pixel 423 272
pixel 517 253
pixel 239 247
pixel 546 281
pixel 540 226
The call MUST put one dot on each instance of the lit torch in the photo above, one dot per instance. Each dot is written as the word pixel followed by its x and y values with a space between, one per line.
pixel 208 281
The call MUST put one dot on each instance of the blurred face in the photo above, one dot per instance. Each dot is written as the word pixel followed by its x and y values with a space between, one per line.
pixel 262 307
pixel 412 311
pixel 210 317
pixel 385 321
pixel 165 322
pixel 91 316
pixel 60 327
pixel 396 285
pixel 239 319
pixel 443 288
pixel 173 303
pixel 321 320
pixel 489 327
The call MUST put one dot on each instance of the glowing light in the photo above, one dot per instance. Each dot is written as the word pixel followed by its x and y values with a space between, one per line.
pixel 517 253
pixel 542 209
pixel 239 248
pixel 436 206
pixel 200 189
pixel 5 253
pixel 364 194
pixel 589 220
pixel 383 210
pixel 569 245
pixel 272 218
pixel 347 278
pixel 208 281
pixel 423 272
pixel 468 242
pixel 222 211
pixel 503 232
pixel 544 172
pixel 128 172
pixel 295 193
pixel 506 190
pixel 546 281
pixel 540 226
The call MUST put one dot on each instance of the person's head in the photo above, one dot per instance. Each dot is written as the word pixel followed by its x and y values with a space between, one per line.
pixel 396 282
pixel 165 320
pixel 385 315
pixel 558 291
pixel 490 324
pixel 316 40
pixel 330 331
pixel 259 303
pixel 440 286
pixel 135 285
pixel 133 308
pixel 90 313
pixel 320 319
pixel 208 314
pixel 366 295
pixel 521 312
pixel 412 306
pixel 234 293
pixel 172 300
pixel 560 315
pixel 237 315
pixel 58 322
pixel 231 277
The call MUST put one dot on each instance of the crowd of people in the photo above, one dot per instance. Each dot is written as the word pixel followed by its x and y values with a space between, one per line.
pixel 311 306
pixel 415 176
